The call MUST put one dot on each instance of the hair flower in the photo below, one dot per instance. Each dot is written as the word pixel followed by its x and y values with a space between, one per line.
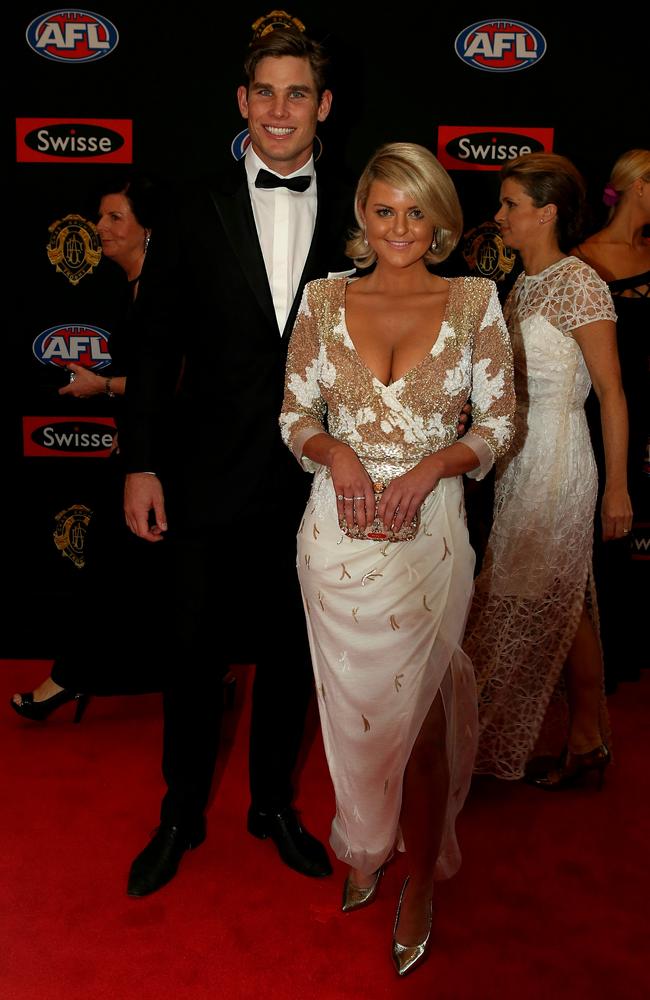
pixel 610 195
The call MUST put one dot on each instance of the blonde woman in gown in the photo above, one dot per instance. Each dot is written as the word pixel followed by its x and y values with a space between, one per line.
pixel 378 370
pixel 533 630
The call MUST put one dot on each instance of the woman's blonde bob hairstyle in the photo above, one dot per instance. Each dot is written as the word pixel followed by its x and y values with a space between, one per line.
pixel 415 171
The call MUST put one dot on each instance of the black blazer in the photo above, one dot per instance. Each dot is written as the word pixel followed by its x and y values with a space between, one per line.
pixel 206 382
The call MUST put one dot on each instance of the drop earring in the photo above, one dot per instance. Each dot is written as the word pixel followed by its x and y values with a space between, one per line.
pixel 434 241
pixel 147 237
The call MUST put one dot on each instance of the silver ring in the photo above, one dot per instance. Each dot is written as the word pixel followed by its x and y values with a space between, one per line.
pixel 339 496
pixel 348 498
pixel 72 376
pixel 626 531
pixel 358 498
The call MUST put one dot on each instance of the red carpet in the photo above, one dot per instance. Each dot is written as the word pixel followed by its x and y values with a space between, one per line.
pixel 551 901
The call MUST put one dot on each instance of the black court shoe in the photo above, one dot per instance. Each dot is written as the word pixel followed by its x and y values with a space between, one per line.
pixel 38 711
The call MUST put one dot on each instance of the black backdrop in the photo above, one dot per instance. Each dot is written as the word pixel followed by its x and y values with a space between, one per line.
pixel 174 74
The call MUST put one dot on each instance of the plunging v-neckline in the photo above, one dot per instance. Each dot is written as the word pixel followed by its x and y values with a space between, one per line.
pixel 439 340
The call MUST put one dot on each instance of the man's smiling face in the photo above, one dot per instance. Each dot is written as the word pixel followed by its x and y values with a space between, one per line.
pixel 282 108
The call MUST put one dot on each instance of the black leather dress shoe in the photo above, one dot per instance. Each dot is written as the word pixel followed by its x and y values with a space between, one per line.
pixel 157 864
pixel 297 848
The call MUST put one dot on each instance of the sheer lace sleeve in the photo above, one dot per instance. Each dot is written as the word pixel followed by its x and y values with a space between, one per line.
pixel 303 408
pixel 569 294
pixel 585 299
pixel 493 393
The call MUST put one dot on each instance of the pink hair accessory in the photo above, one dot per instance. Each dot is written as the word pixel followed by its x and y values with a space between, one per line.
pixel 610 195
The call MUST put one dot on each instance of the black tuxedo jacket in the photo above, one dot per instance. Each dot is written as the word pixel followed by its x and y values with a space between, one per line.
pixel 205 383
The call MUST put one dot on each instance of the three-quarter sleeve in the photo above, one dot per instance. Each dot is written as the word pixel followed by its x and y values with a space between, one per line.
pixel 493 392
pixel 303 407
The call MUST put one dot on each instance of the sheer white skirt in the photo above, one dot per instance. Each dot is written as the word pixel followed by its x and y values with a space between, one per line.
pixel 385 623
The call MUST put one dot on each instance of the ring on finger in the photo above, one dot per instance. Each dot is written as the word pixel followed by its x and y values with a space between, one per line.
pixel 339 496
pixel 348 498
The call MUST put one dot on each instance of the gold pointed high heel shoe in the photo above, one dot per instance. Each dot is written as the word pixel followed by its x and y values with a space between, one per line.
pixel 407 956
pixel 355 896
pixel 572 768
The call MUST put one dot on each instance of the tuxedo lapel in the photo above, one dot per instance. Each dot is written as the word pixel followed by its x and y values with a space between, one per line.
pixel 236 214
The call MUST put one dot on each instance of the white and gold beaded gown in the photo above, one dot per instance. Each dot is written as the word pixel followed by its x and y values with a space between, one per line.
pixel 537 569
pixel 386 620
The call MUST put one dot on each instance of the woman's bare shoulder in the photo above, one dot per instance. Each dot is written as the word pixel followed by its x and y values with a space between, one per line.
pixel 612 259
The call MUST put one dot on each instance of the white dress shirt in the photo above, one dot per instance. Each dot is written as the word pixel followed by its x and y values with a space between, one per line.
pixel 285 222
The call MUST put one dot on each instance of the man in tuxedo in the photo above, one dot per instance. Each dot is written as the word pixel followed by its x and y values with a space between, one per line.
pixel 203 451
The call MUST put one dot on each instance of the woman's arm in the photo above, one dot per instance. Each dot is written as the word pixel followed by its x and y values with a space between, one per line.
pixel 86 383
pixel 350 480
pixel 302 419
pixel 403 497
pixel 597 341
pixel 493 389
pixel 303 408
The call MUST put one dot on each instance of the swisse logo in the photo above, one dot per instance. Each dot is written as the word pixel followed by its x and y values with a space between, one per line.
pixel 640 542
pixel 85 345
pixel 476 147
pixel 500 46
pixel 70 140
pixel 69 437
pixel 72 36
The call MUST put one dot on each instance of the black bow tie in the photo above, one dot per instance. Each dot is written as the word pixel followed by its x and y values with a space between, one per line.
pixel 265 179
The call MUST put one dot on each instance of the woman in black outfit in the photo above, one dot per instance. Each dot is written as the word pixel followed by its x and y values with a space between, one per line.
pixel 620 254
pixel 126 212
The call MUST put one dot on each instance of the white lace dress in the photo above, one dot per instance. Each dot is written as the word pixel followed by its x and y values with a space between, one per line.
pixel 537 569
pixel 386 620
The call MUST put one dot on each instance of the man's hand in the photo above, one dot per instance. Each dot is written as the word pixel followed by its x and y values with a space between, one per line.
pixel 143 495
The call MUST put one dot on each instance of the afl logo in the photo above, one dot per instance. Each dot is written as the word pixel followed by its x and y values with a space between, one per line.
pixel 240 144
pixel 85 345
pixel 500 46
pixel 72 36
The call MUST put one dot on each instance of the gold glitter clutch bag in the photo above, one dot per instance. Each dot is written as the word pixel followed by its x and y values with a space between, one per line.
pixel 377 530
